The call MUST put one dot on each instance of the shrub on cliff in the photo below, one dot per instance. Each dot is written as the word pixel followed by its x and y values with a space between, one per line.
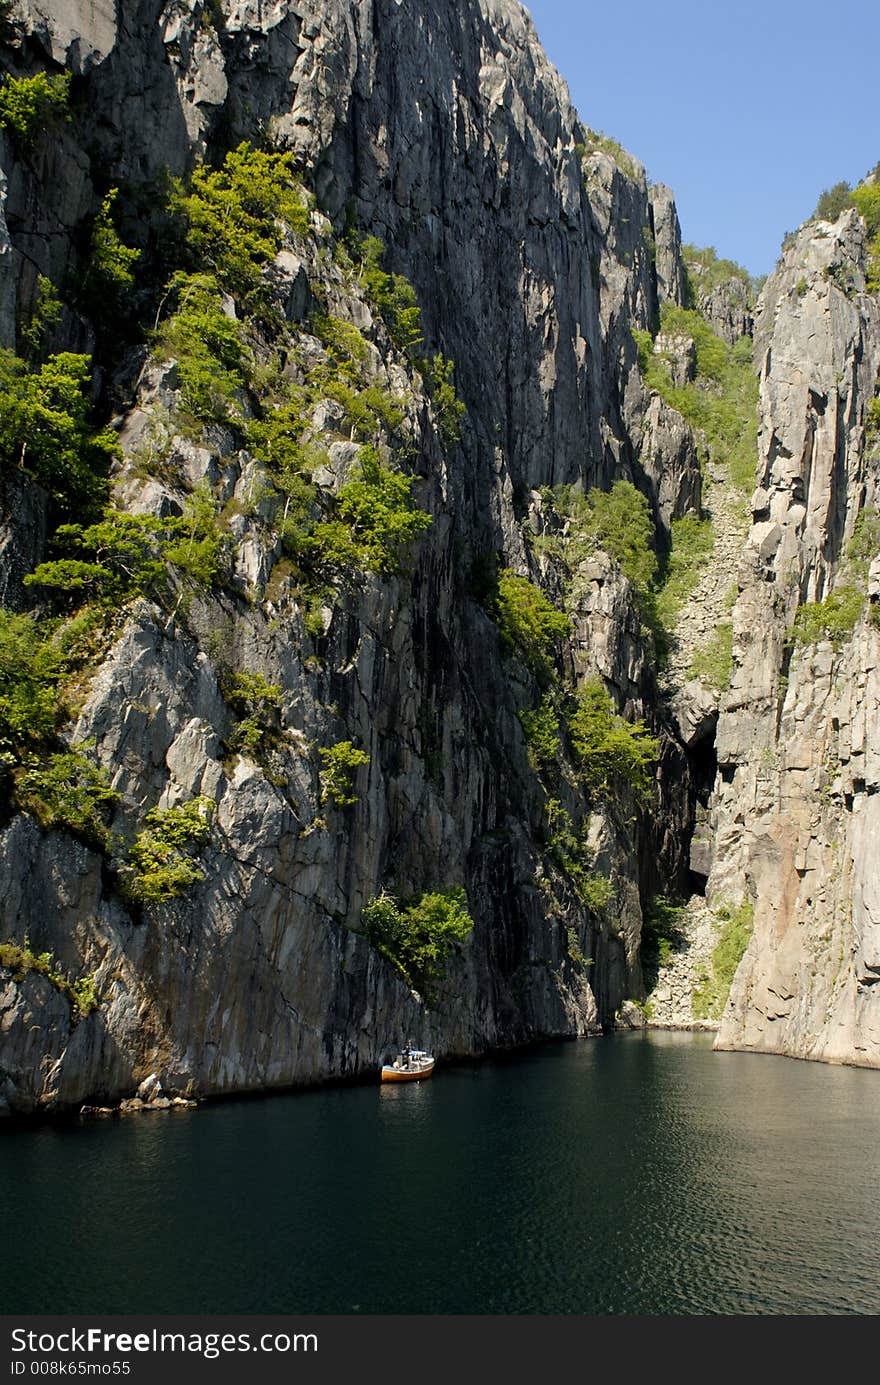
pixel 66 790
pixel 257 702
pixel 373 519
pixel 35 335
pixel 28 105
pixel 126 555
pixel 832 619
pixel 610 751
pixel 81 994
pixel 542 730
pixel 568 849
pixel 417 936
pixel 713 986
pixel 31 666
pixel 617 521
pixel 341 763
pixel 449 410
pixel 527 621
pixel 233 215
pixel 620 522
pixel 713 663
pixel 392 294
pixel 833 201
pixel 212 359
pixel 706 270
pixel 109 276
pixel 46 430
pixel 162 861
pixel 722 402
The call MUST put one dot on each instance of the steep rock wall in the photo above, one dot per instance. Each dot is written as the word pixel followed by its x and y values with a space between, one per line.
pixel 794 814
pixel 445 131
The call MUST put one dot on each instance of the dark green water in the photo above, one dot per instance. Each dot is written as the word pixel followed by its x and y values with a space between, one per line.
pixel 633 1174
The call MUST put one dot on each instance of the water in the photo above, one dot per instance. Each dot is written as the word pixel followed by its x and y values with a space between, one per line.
pixel 632 1174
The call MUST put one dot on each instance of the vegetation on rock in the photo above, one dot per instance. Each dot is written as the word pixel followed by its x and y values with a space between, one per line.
pixel 37 332
pixel 661 932
pixel 721 402
pixel 162 864
pixel 834 618
pixel 46 429
pixel 20 958
pixel 341 763
pixel 595 142
pixel 714 662
pixel 67 790
pixel 528 622
pixel 705 271
pixel 713 987
pixel 865 197
pixel 29 105
pixel 416 936
pixel 568 849
pixel 257 702
pixel 233 216
pixel 126 555
pixel 609 750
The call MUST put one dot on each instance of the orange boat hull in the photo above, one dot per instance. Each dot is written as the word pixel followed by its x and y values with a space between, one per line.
pixel 390 1074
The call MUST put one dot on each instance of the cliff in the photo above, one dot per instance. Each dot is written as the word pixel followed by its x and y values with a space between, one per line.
pixel 228 679
pixel 794 811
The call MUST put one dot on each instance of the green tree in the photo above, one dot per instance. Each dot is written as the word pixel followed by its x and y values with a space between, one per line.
pixel 527 621
pixel 43 320
pixel 109 276
pixel 30 105
pixel 257 702
pixel 542 730
pixel 31 666
pixel 341 763
pixel 832 619
pixel 393 295
pixel 418 936
pixel 162 863
pixel 212 360
pixel 449 409
pixel 45 429
pixel 233 215
pixel 67 790
pixel 374 518
pixel 833 201
pixel 125 555
pixel 610 751
pixel 121 558
pixel 620 520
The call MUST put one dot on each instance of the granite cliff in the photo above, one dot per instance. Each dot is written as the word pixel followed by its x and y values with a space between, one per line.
pixel 488 685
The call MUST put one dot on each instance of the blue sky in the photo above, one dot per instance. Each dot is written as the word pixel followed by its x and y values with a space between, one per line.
pixel 746 109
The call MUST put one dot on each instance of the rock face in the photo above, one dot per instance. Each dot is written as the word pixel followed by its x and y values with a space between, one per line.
pixel 450 136
pixel 444 130
pixel 667 243
pixel 794 811
pixel 727 309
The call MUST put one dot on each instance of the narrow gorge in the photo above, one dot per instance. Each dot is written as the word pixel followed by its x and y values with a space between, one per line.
pixel 438 606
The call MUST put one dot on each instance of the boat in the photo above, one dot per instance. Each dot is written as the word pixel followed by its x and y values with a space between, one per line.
pixel 410 1065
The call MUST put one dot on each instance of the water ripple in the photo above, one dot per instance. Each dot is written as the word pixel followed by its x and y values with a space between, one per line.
pixel 637 1174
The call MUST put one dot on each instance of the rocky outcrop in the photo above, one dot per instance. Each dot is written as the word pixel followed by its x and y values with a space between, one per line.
pixel 793 811
pixel 727 308
pixel 671 282
pixel 77 34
